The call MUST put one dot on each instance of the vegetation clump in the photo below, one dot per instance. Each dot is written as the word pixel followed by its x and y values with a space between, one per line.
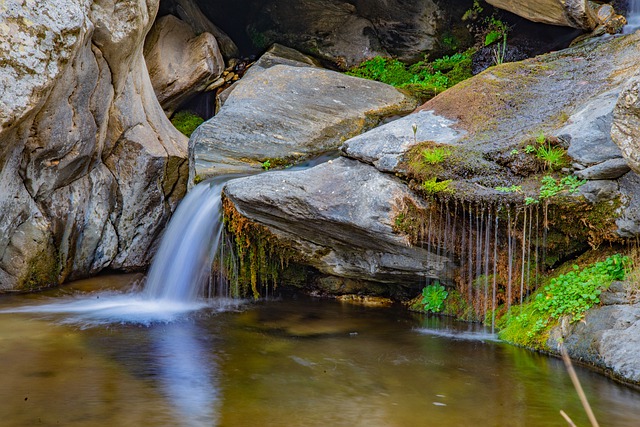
pixel 186 122
pixel 433 297
pixel 570 294
pixel 423 79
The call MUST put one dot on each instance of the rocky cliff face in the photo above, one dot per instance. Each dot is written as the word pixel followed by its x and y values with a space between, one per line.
pixel 91 168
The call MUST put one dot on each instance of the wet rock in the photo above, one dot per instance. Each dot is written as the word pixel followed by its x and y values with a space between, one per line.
pixel 385 146
pixel 181 64
pixel 339 216
pixel 599 191
pixel 629 221
pixel 288 113
pixel 626 123
pixel 90 166
pixel 588 131
pixel 609 169
pixel 609 337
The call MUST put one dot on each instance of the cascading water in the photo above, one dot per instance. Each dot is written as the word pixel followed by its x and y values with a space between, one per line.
pixel 182 265
pixel 633 17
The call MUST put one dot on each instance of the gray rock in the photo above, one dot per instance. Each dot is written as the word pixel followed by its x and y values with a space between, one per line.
pixel 629 221
pixel 609 337
pixel 339 216
pixel 385 145
pixel 609 169
pixel 181 64
pixel 588 131
pixel 599 191
pixel 189 12
pixel 626 122
pixel 285 114
pixel 90 166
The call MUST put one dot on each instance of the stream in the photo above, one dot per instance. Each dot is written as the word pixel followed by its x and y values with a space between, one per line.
pixel 279 362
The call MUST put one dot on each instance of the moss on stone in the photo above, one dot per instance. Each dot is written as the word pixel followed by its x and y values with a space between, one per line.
pixel 186 122
pixel 43 270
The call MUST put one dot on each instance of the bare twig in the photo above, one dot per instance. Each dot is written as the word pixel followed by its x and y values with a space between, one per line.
pixel 567 419
pixel 578 387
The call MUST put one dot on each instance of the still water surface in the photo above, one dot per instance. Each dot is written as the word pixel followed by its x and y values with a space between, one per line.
pixel 295 362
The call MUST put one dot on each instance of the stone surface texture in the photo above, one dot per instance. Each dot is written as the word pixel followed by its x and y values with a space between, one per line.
pixel 287 113
pixel 90 167
pixel 181 64
pixel 570 13
pixel 339 215
pixel 626 122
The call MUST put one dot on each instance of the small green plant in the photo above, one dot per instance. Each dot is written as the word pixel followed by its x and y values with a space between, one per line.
pixel 541 139
pixel 266 165
pixel 530 149
pixel 514 152
pixel 570 294
pixel 551 187
pixel 473 12
pixel 577 291
pixel 433 297
pixel 431 186
pixel 553 157
pixel 186 122
pixel 435 155
pixel 510 189
pixel 423 79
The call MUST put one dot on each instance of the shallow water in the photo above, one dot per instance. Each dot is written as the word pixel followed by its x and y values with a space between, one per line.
pixel 299 362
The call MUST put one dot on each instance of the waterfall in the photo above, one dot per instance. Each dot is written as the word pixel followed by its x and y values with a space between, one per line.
pixel 182 266
pixel 633 17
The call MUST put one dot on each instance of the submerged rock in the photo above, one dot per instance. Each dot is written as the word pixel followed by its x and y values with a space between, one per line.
pixel 90 166
pixel 339 216
pixel 284 114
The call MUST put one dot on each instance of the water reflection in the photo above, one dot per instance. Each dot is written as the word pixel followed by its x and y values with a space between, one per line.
pixel 187 372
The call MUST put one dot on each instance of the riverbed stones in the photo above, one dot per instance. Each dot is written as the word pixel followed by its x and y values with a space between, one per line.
pixel 91 168
pixel 285 114
pixel 181 64
pixel 339 216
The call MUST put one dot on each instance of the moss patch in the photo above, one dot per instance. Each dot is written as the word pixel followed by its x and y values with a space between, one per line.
pixel 186 122
pixel 43 270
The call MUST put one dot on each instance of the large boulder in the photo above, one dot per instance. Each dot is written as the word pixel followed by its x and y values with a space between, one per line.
pixel 626 123
pixel 570 13
pixel 91 168
pixel 608 337
pixel 340 216
pixel 181 64
pixel 287 113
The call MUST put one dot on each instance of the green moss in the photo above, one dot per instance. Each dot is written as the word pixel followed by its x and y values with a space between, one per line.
pixel 186 122
pixel 43 270
pixel 423 79
pixel 263 258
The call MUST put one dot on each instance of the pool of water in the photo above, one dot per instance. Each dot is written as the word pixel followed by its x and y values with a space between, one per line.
pixel 293 362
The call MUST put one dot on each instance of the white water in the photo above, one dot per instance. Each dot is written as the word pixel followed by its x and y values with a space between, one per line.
pixel 633 17
pixel 182 265
pixel 180 271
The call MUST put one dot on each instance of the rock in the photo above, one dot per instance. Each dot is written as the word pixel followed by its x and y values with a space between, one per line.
pixel 330 29
pixel 180 63
pixel 626 122
pixel 189 12
pixel 610 169
pixel 90 166
pixel 599 191
pixel 285 114
pixel 588 131
pixel 609 337
pixel 339 215
pixel 571 13
pixel 385 146
pixel 629 220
